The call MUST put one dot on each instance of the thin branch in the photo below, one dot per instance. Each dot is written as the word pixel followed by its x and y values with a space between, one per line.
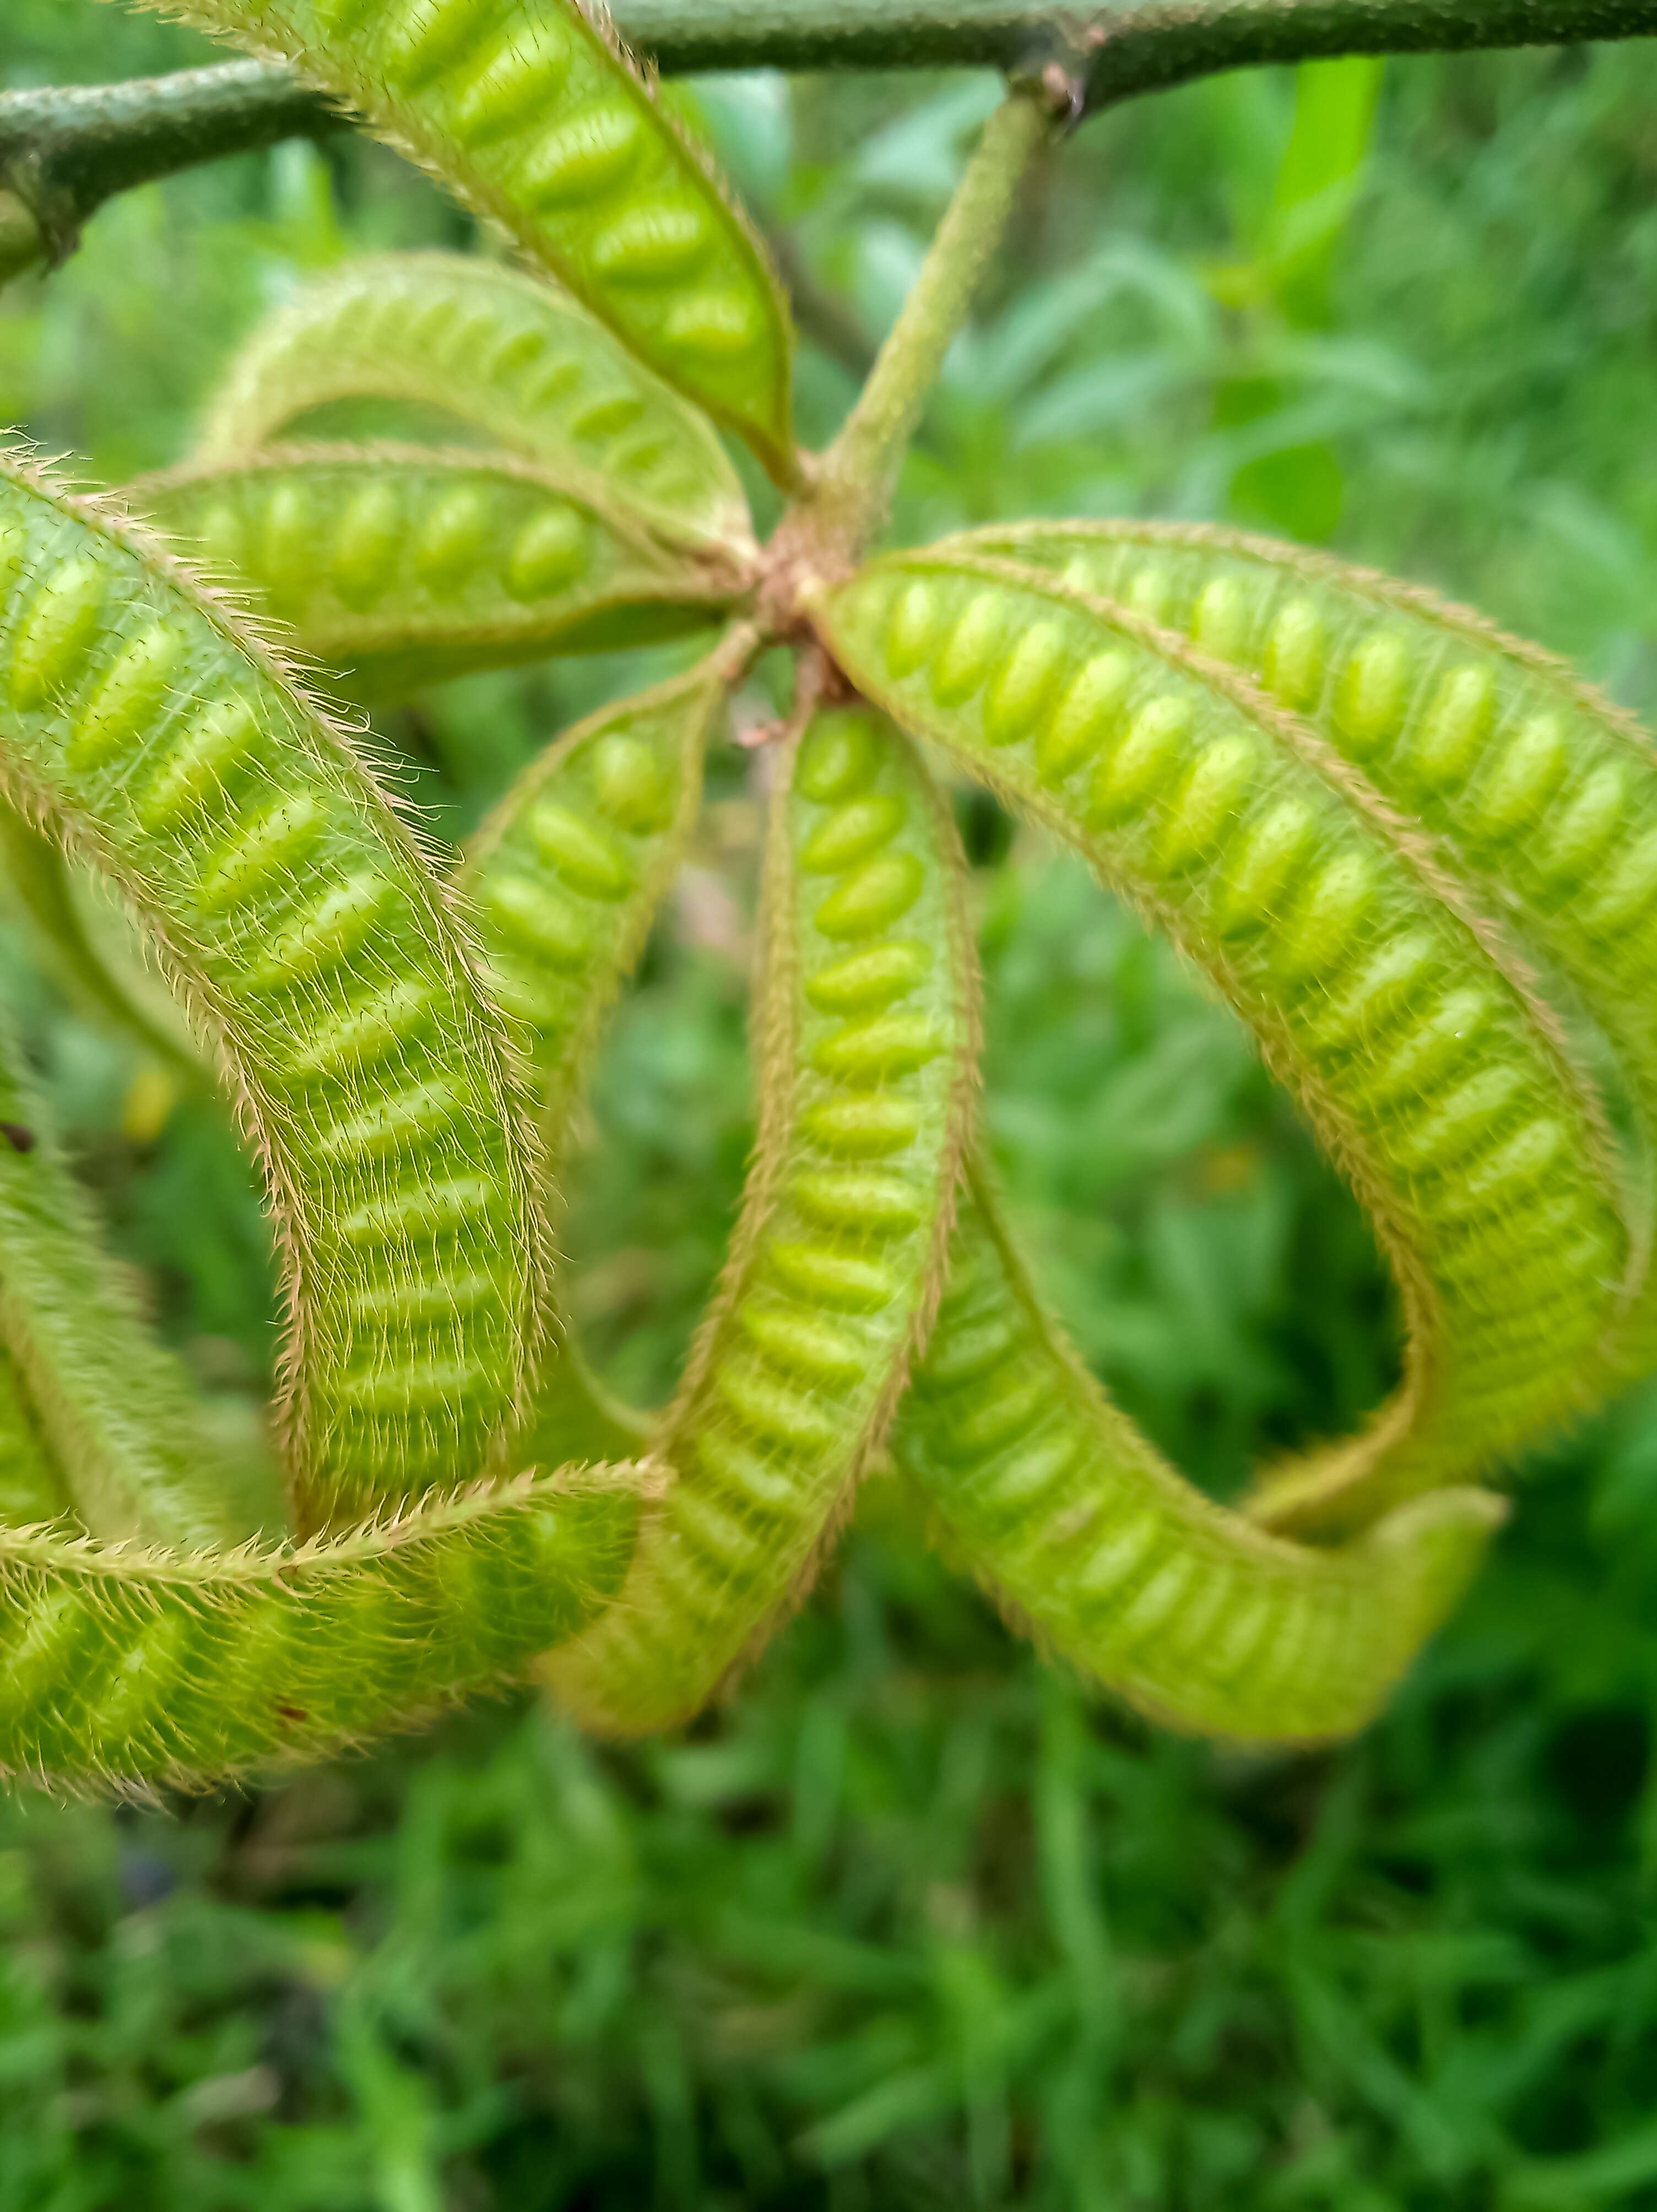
pixel 1118 49
pixel 1131 50
pixel 63 153
pixel 854 488
pixel 65 150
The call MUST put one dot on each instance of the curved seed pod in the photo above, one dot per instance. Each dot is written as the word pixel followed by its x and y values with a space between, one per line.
pixel 116 1411
pixel 119 1665
pixel 567 873
pixel 1540 786
pixel 34 866
pixel 1231 827
pixel 507 356
pixel 159 739
pixel 867 1034
pixel 565 877
pixel 401 566
pixel 1075 1521
pixel 530 114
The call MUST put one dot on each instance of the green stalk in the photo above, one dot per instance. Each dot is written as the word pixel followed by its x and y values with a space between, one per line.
pixel 855 477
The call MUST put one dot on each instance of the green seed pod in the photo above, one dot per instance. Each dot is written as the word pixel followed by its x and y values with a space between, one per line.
pixel 1070 1517
pixel 1542 790
pixel 531 116
pixel 493 351
pixel 565 878
pixel 132 1667
pixel 1233 828
pixel 836 1260
pixel 566 875
pixel 406 565
pixel 332 984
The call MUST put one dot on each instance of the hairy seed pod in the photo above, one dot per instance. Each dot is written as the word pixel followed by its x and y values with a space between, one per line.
pixel 401 566
pixel 565 878
pixel 1077 1523
pixel 827 1293
pixel 566 875
pixel 496 352
pixel 302 931
pixel 120 1665
pixel 532 116
pixel 1542 791
pixel 1422 1058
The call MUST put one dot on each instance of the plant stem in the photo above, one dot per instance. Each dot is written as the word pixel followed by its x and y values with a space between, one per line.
pixel 65 150
pixel 63 153
pixel 1116 47
pixel 855 482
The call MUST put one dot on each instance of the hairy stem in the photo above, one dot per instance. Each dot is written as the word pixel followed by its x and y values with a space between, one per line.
pixel 1115 50
pixel 854 488
pixel 65 150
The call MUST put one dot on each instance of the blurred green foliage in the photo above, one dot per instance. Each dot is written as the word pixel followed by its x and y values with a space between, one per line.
pixel 910 1924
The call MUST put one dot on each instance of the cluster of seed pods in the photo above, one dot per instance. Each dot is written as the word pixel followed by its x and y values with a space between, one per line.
pixel 148 1631
pixel 1415 1042
pixel 1354 809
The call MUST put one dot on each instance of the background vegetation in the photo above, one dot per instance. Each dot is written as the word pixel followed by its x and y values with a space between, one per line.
pixel 913 1924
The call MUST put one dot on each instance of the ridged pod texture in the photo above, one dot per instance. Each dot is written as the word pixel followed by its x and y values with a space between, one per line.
pixel 1422 1058
pixel 152 732
pixel 530 115
pixel 498 353
pixel 1542 790
pixel 1079 1526
pixel 400 566
pixel 566 875
pixel 866 1029
pixel 121 1665
pixel 565 878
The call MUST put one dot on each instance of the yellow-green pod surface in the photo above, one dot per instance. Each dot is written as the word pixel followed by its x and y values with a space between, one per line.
pixel 530 114
pixel 1426 1067
pixel 156 735
pixel 122 1665
pixel 866 1032
pixel 1070 1517
pixel 399 566
pixel 1541 788
pixel 497 352
pixel 565 877
pixel 567 871
pixel 1064 1510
